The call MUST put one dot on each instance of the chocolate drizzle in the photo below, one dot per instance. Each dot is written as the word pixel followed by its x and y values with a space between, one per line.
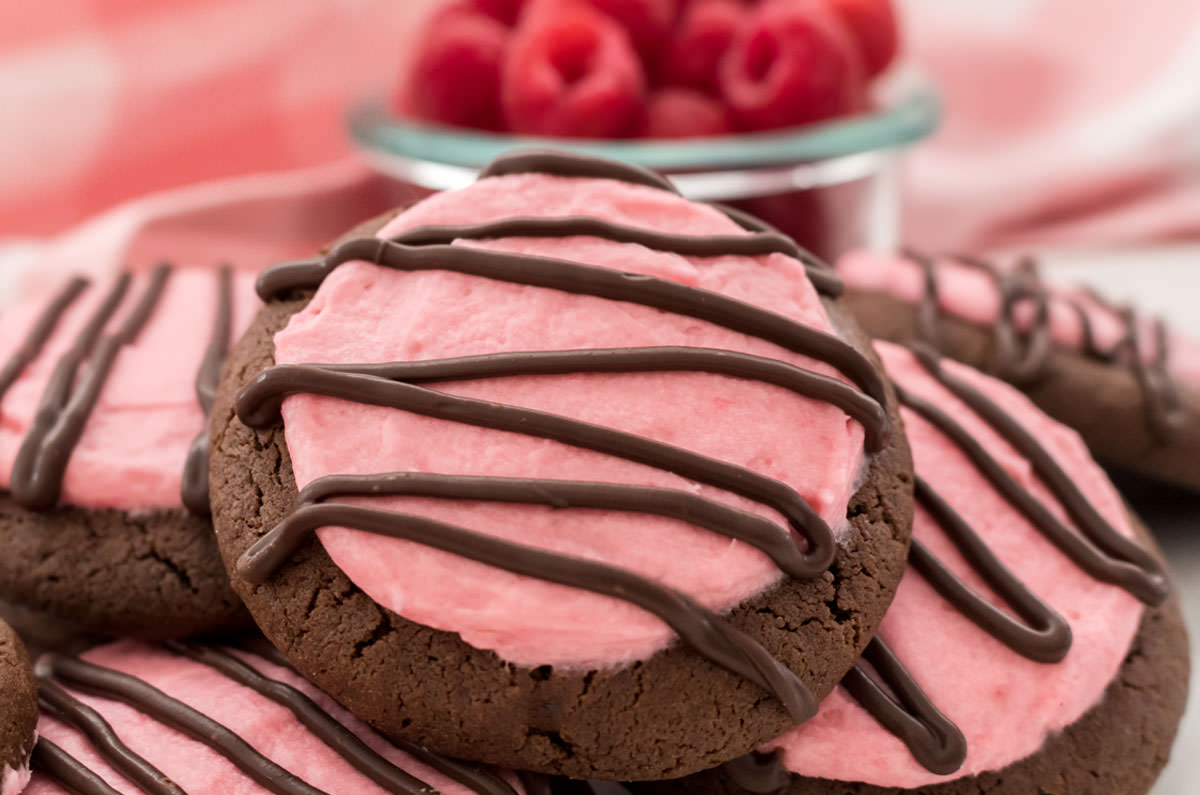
pixel 757 243
pixel 111 684
pixel 394 385
pixel 891 695
pixel 66 404
pixel 1043 636
pixel 61 704
pixel 574 277
pixel 68 771
pixel 1101 550
pixel 40 333
pixel 884 688
pixel 562 164
pixel 194 489
pixel 1021 348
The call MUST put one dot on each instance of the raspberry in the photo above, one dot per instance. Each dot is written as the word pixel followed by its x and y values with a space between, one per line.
pixel 684 113
pixel 648 22
pixel 504 11
pixel 455 78
pixel 872 23
pixel 571 71
pixel 792 63
pixel 703 35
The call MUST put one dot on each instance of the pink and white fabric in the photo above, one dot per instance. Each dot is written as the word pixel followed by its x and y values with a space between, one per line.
pixel 105 100
pixel 1067 122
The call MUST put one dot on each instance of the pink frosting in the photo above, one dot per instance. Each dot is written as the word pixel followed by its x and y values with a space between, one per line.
pixel 13 781
pixel 971 295
pixel 1005 704
pixel 365 313
pixel 132 451
pixel 270 728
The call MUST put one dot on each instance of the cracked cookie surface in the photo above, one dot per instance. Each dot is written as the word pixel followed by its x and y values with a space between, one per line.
pixel 665 715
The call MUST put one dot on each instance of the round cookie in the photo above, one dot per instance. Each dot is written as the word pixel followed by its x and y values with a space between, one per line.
pixel 1067 349
pixel 517 670
pixel 1044 666
pixel 207 718
pixel 18 712
pixel 104 390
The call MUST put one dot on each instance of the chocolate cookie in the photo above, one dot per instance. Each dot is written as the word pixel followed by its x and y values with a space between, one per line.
pixel 521 672
pixel 103 459
pixel 1041 651
pixel 210 718
pixel 1068 349
pixel 18 711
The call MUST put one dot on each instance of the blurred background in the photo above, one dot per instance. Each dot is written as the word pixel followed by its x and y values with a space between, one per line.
pixel 216 130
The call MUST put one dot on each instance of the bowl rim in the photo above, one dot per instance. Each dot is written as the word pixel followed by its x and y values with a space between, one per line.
pixel 908 109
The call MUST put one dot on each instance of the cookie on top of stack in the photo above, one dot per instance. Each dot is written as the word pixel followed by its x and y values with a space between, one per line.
pixel 565 472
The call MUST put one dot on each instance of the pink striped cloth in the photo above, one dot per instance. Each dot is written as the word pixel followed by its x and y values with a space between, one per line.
pixel 1068 121
pixel 1073 122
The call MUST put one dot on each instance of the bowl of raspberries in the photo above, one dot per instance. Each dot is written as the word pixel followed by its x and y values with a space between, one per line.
pixel 793 110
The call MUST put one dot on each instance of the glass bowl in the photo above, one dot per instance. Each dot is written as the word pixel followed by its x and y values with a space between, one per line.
pixel 830 185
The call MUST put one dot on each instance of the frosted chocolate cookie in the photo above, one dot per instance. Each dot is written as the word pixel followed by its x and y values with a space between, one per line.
pixel 1071 351
pixel 1032 646
pixel 563 472
pixel 18 712
pixel 131 717
pixel 104 393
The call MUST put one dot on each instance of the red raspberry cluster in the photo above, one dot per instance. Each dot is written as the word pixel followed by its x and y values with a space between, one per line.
pixel 646 68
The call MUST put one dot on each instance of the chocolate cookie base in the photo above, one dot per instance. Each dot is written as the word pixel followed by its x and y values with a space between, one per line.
pixel 669 715
pixel 18 702
pixel 154 576
pixel 1103 402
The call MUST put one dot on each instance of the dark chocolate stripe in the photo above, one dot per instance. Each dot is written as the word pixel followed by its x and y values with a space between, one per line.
pixel 1022 354
pixel 66 406
pixel 1163 409
pixel 823 277
pixel 1044 636
pixel 558 164
pixel 259 402
pixel 328 730
pixel 274 549
pixel 805 383
pixel 91 724
pixel 561 164
pixel 40 332
pixel 895 700
pixel 574 277
pixel 52 761
pixel 194 488
pixel 699 627
pixel 111 684
pixel 1102 550
pixel 749 245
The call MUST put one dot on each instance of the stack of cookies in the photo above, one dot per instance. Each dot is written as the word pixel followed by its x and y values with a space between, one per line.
pixel 562 478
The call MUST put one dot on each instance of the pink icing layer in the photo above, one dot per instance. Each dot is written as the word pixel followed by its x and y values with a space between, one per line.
pixel 971 295
pixel 269 727
pixel 364 313
pixel 1004 704
pixel 132 451
pixel 12 781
